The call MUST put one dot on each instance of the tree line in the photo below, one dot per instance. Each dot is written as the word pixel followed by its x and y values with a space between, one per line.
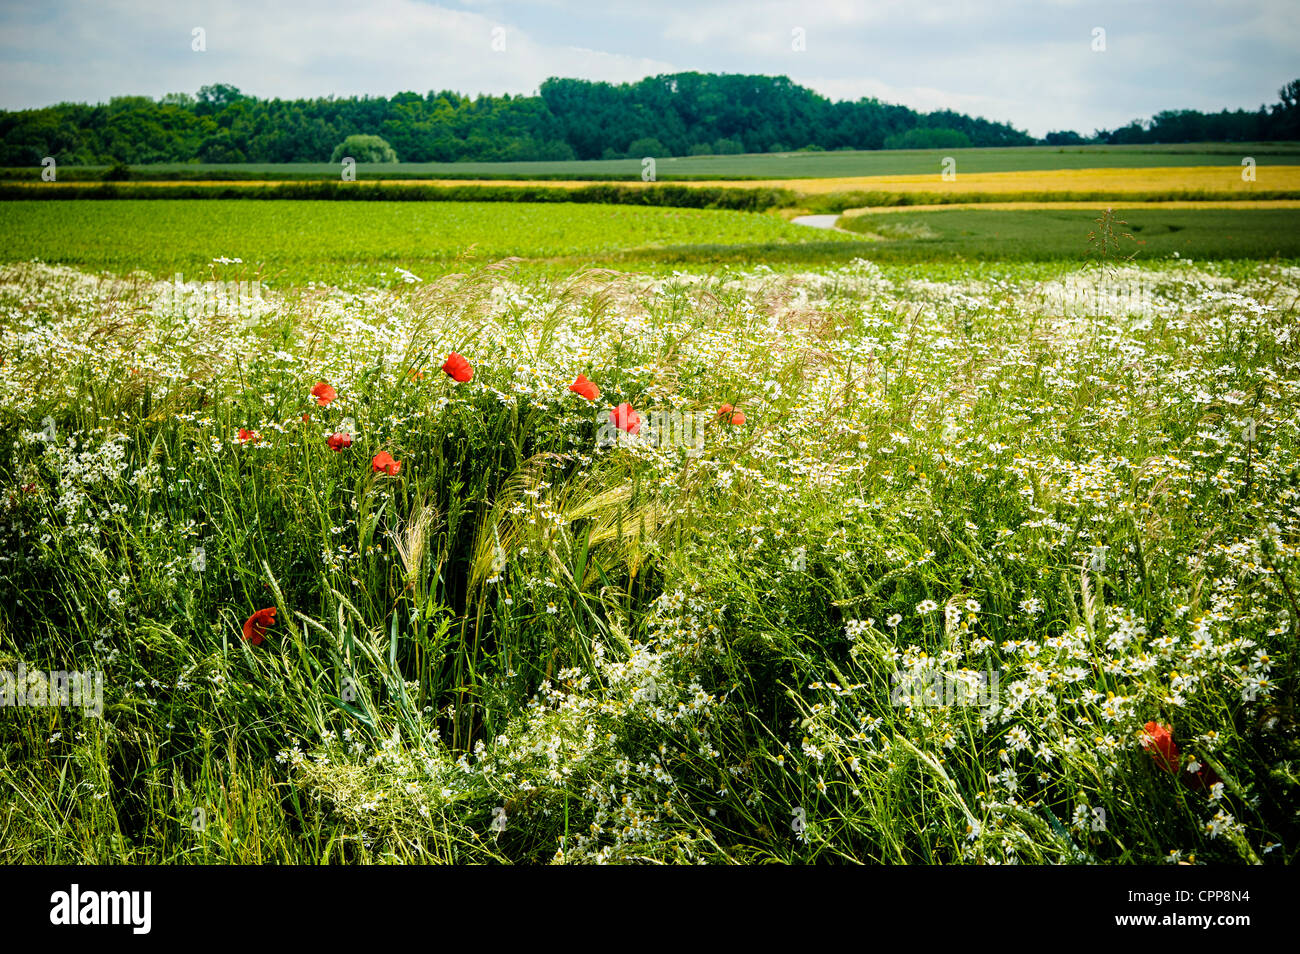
pixel 670 115
pixel 1278 122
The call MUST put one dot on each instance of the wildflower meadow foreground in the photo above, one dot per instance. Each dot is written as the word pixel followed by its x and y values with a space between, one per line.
pixel 834 565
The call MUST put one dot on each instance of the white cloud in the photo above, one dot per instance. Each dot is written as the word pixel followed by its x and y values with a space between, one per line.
pixel 289 49
pixel 1028 62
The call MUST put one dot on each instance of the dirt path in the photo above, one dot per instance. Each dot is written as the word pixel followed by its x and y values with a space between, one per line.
pixel 818 221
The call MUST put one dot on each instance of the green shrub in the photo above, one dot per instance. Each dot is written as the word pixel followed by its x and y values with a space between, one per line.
pixel 364 149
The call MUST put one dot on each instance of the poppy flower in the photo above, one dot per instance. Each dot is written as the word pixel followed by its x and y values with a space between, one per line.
pixel 248 437
pixel 383 463
pixel 337 442
pixel 624 418
pixel 585 388
pixel 416 374
pixel 306 418
pixel 323 392
pixel 737 417
pixel 255 626
pixel 1159 743
pixel 459 369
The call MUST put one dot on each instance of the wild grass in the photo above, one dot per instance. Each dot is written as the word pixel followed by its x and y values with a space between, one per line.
pixel 527 646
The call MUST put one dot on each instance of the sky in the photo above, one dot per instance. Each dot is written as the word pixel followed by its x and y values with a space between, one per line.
pixel 1040 65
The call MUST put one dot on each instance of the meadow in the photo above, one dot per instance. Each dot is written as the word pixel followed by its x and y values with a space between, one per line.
pixel 737 547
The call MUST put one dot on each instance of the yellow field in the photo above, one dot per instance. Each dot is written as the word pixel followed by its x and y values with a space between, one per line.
pixel 1116 181
pixel 1085 188
pixel 1022 206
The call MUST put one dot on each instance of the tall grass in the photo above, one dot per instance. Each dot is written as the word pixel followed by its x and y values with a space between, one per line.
pixel 526 646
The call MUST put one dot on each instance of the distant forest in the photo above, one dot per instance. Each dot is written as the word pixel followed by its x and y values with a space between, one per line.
pixel 672 115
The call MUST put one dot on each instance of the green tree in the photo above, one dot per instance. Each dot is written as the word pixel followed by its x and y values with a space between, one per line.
pixel 646 146
pixel 220 148
pixel 364 148
pixel 928 139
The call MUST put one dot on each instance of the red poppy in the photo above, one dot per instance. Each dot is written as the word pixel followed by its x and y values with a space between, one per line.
pixel 625 418
pixel 458 368
pixel 306 418
pixel 1159 743
pixel 737 417
pixel 416 374
pixel 383 463
pixel 338 442
pixel 255 626
pixel 248 437
pixel 585 388
pixel 323 392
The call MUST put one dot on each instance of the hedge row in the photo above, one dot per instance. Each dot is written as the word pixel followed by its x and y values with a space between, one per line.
pixel 689 197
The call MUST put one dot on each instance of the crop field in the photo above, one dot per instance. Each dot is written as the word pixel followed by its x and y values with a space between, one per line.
pixel 1118 183
pixel 1050 234
pixel 958 185
pixel 690 536
pixel 300 241
pixel 367 242
pixel 1093 205
pixel 788 165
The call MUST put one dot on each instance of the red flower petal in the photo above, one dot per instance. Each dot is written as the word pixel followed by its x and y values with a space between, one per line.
pixel 383 463
pixel 459 369
pixel 1159 743
pixel 625 418
pixel 323 393
pixel 585 388
pixel 255 626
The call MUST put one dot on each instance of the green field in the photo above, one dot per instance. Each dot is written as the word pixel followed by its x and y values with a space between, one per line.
pixel 349 241
pixel 363 242
pixel 1061 235
pixel 774 166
